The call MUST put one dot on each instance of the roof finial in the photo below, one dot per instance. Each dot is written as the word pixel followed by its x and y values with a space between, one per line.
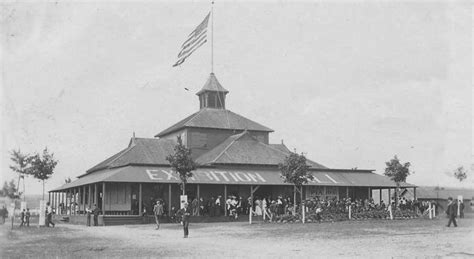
pixel 133 141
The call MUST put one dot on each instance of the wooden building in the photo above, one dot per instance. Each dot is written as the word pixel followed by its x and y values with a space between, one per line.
pixel 234 155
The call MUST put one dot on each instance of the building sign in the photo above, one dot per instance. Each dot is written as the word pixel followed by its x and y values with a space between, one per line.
pixel 214 176
pixel 230 176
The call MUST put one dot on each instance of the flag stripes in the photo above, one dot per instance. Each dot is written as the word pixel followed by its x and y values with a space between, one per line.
pixel 195 39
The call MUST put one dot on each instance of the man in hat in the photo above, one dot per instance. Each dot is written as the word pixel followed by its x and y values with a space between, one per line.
pixel 95 212
pixel 185 215
pixel 451 211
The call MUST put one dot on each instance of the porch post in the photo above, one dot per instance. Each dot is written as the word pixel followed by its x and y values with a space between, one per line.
pixel 96 194
pixel 169 199
pixel 251 205
pixel 103 198
pixel 199 199
pixel 347 191
pixel 74 193
pixel 389 195
pixel 90 196
pixel 84 199
pixel 67 201
pixel 49 198
pixel 380 196
pixel 414 193
pixel 369 193
pixel 225 200
pixel 140 199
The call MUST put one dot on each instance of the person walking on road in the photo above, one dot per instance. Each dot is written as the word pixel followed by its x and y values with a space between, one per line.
pixel 27 217
pixel 185 215
pixel 451 211
pixel 49 215
pixel 22 218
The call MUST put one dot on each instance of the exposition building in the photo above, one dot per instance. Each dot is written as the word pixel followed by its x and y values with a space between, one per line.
pixel 234 157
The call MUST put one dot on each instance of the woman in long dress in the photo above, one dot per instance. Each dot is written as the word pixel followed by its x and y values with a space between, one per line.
pixel 258 207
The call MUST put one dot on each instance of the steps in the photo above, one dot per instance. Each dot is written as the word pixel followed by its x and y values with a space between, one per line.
pixel 111 220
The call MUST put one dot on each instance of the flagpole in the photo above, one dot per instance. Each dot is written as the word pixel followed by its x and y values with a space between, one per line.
pixel 212 37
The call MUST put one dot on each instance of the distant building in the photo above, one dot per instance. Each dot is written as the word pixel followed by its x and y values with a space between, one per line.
pixel 235 158
pixel 440 195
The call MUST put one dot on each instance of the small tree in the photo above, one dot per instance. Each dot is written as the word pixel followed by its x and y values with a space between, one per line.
pixel 42 166
pixel 295 170
pixel 10 190
pixel 460 173
pixel 398 172
pixel 182 163
pixel 21 165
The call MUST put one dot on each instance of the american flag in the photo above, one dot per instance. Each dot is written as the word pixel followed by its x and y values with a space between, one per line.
pixel 195 39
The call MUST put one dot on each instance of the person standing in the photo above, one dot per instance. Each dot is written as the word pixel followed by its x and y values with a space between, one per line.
pixel 451 211
pixel 27 217
pixel 49 215
pixel 185 215
pixel 158 212
pixel 88 215
pixel 95 211
pixel 22 218
pixel 461 209
pixel 2 215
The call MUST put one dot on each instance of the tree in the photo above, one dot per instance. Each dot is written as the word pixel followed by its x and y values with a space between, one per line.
pixel 182 163
pixel 42 166
pixel 10 190
pixel 460 173
pixel 295 170
pixel 398 172
pixel 21 165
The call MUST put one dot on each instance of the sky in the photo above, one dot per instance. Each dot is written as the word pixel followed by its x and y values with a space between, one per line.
pixel 350 84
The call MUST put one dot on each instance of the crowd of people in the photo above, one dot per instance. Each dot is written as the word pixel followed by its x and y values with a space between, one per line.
pixel 282 208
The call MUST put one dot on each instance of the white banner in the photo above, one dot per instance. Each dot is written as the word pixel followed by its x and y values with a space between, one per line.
pixel 183 199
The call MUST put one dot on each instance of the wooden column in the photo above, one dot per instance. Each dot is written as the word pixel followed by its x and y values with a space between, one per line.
pixel 103 198
pixel 380 196
pixel 389 196
pixel 96 195
pixel 84 199
pixel 169 199
pixel 49 197
pixel 198 198
pixel 67 201
pixel 414 193
pixel 140 199
pixel 74 191
pixel 225 200
pixel 369 193
pixel 347 191
pixel 89 199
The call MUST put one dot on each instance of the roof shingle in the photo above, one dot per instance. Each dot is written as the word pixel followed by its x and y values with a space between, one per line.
pixel 245 149
pixel 146 151
pixel 215 119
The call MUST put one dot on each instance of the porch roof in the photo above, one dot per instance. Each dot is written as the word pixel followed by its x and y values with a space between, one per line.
pixel 153 174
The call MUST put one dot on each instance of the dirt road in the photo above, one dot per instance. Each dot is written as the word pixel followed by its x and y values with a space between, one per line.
pixel 372 238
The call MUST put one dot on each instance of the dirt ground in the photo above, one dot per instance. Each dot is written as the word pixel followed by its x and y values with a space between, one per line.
pixel 371 238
